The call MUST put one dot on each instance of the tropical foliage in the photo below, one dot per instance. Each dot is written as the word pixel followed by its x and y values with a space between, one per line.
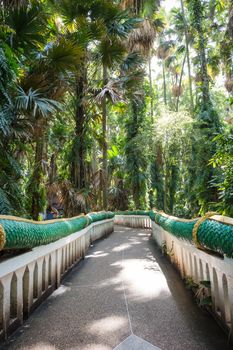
pixel 116 105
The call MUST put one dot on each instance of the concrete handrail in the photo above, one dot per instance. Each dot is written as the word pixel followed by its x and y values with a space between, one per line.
pixel 29 278
pixel 142 221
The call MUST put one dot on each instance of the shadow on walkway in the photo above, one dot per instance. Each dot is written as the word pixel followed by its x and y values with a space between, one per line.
pixel 124 287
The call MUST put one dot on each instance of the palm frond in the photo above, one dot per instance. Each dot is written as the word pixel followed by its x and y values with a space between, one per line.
pixel 7 72
pixel 34 101
pixel 122 24
pixel 133 60
pixel 5 205
pixel 13 3
pixel 112 90
pixel 69 10
pixel 6 118
pixel 29 25
pixel 142 38
pixel 72 200
pixel 150 7
pixel 165 48
pixel 110 51
pixel 10 192
pixel 62 55
pixel 133 81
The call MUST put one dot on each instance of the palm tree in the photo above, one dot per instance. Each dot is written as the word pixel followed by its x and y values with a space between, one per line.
pixel 186 32
pixel 207 118
pixel 76 23
pixel 184 38
pixel 111 51
pixel 15 129
pixel 142 38
pixel 10 126
pixel 63 59
pixel 175 63
pixel 49 79
pixel 163 52
pixel 197 15
pixel 49 60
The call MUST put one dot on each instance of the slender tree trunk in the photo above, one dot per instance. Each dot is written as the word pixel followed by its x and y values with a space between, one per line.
pixel 188 56
pixel 230 22
pixel 197 9
pixel 36 184
pixel 105 144
pixel 52 169
pixel 180 83
pixel 166 188
pixel 136 172
pixel 94 174
pixel 151 88
pixel 164 85
pixel 173 182
pixel 159 176
pixel 94 158
pixel 78 175
pixel 137 6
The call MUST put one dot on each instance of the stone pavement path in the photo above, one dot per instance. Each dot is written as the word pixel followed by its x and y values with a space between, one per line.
pixel 125 295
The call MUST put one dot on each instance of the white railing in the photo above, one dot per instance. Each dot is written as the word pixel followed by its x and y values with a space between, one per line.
pixel 195 264
pixel 202 266
pixel 29 278
pixel 140 221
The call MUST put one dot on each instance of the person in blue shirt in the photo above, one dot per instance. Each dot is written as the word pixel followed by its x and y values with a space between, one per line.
pixel 51 213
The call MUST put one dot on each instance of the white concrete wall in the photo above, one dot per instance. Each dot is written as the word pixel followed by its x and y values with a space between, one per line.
pixel 198 265
pixel 140 221
pixel 27 279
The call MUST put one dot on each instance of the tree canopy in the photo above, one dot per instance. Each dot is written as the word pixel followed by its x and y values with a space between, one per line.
pixel 116 105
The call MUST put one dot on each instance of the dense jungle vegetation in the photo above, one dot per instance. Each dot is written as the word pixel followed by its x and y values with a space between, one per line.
pixel 116 105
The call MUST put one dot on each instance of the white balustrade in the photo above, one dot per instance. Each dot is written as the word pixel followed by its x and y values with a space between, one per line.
pixel 195 264
pixel 29 278
pixel 202 266
pixel 140 221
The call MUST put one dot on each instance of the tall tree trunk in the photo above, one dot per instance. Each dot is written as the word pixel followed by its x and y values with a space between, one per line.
pixel 188 56
pixel 173 186
pixel 52 169
pixel 94 158
pixel 180 83
pixel 164 85
pixel 105 144
pixel 158 176
pixel 197 9
pixel 151 88
pixel 203 147
pixel 36 186
pixel 78 167
pixel 166 188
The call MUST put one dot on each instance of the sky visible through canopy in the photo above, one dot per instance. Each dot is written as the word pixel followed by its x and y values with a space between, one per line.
pixel 168 4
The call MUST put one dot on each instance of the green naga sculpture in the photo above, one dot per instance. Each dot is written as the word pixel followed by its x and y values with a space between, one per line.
pixel 19 233
pixel 210 232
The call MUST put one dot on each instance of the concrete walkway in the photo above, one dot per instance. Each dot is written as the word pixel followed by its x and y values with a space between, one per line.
pixel 125 295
